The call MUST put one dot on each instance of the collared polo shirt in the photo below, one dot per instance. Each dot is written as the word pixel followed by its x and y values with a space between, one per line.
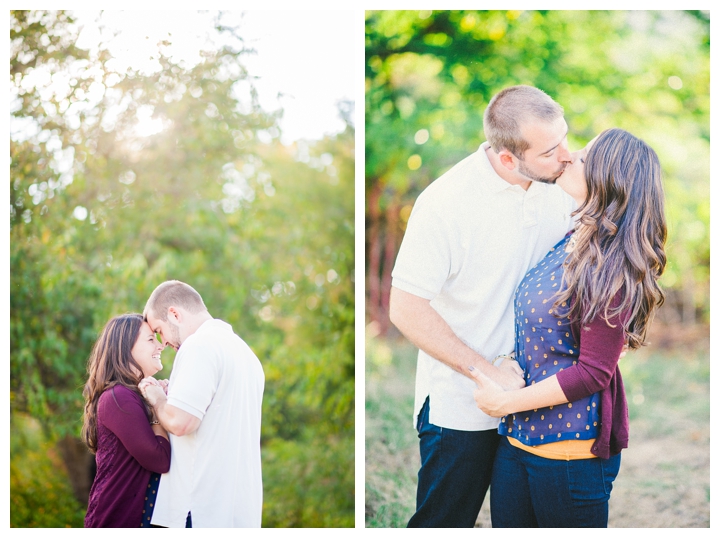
pixel 215 472
pixel 470 239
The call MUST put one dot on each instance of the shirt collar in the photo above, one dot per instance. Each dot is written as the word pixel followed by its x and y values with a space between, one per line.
pixel 213 323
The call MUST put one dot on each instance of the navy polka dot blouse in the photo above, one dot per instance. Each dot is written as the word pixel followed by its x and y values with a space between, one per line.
pixel 544 345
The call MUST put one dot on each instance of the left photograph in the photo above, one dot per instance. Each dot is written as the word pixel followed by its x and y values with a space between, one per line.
pixel 182 255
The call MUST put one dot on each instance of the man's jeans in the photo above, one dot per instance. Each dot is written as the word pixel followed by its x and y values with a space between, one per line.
pixel 531 491
pixel 455 473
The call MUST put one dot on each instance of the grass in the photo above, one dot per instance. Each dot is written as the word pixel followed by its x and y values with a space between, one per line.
pixel 390 440
pixel 664 479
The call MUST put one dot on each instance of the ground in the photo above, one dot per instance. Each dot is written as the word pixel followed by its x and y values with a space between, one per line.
pixel 664 479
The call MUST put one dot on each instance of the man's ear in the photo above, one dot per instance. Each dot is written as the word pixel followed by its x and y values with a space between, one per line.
pixel 507 159
pixel 174 315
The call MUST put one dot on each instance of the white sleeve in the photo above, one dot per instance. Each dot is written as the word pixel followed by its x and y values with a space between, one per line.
pixel 196 379
pixel 424 260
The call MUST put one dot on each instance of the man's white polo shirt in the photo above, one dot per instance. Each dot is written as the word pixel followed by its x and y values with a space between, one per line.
pixel 215 472
pixel 470 240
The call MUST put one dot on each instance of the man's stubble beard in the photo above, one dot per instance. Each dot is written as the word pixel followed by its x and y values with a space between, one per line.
pixel 176 337
pixel 524 170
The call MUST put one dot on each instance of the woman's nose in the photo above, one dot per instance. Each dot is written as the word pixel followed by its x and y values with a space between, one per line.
pixel 574 156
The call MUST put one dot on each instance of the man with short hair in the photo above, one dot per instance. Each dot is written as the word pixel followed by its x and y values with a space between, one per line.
pixel 212 411
pixel 472 236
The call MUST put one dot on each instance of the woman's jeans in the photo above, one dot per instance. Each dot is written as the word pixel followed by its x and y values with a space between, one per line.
pixel 531 491
pixel 455 473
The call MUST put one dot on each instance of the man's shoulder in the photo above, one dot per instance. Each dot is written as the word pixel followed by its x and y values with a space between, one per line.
pixel 215 337
pixel 468 169
pixel 208 332
pixel 458 183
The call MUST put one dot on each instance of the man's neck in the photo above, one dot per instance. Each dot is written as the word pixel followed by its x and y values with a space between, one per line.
pixel 194 323
pixel 508 175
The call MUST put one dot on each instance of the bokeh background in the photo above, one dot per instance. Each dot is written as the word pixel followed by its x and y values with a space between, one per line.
pixel 124 174
pixel 428 78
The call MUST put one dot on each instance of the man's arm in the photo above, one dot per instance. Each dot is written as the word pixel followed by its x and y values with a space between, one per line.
pixel 426 329
pixel 601 346
pixel 173 419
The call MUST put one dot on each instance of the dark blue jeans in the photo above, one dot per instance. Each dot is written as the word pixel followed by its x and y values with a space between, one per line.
pixel 531 491
pixel 454 476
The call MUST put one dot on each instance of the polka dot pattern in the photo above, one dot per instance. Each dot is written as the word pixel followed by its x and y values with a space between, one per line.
pixel 150 496
pixel 545 345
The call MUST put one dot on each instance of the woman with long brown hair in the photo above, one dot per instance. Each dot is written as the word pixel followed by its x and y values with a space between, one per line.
pixel 131 448
pixel 594 293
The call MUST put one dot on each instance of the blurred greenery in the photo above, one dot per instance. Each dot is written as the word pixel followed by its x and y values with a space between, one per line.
pixel 430 74
pixel 39 494
pixel 101 214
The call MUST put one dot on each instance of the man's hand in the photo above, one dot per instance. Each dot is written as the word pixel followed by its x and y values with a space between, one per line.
pixel 152 390
pixel 509 363
pixel 488 395
pixel 164 383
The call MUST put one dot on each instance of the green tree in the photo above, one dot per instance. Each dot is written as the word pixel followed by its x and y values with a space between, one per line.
pixel 430 74
pixel 101 214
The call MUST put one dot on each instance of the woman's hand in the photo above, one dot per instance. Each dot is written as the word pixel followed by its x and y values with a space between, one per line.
pixel 489 396
pixel 151 390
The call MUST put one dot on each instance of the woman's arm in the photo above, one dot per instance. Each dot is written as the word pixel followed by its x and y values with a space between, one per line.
pixel 175 420
pixel 496 402
pixel 158 429
pixel 124 414
pixel 600 348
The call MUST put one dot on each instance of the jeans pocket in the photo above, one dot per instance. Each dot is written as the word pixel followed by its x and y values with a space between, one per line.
pixel 423 416
pixel 610 470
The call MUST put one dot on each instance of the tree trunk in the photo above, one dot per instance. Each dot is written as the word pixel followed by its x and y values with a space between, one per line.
pixel 80 464
pixel 374 249
pixel 391 235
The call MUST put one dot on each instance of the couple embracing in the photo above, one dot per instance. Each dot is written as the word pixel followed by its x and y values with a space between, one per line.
pixel 183 453
pixel 525 272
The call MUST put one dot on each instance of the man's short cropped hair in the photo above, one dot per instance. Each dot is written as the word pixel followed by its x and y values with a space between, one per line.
pixel 512 107
pixel 173 293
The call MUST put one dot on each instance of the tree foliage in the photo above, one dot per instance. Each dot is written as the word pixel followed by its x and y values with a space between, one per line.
pixel 101 214
pixel 430 74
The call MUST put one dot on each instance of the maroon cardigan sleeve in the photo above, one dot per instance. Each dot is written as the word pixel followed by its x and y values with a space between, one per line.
pixel 123 412
pixel 597 371
pixel 600 348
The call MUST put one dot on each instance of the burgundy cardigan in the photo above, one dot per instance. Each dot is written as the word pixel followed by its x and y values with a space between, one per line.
pixel 128 451
pixel 597 371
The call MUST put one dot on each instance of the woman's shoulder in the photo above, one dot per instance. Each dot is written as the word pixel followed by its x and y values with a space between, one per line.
pixel 118 396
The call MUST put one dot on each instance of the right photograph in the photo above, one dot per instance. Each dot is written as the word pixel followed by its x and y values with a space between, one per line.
pixel 537 246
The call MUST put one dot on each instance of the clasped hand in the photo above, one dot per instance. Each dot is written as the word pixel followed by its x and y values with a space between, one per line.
pixel 153 389
pixel 513 376
pixel 489 395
